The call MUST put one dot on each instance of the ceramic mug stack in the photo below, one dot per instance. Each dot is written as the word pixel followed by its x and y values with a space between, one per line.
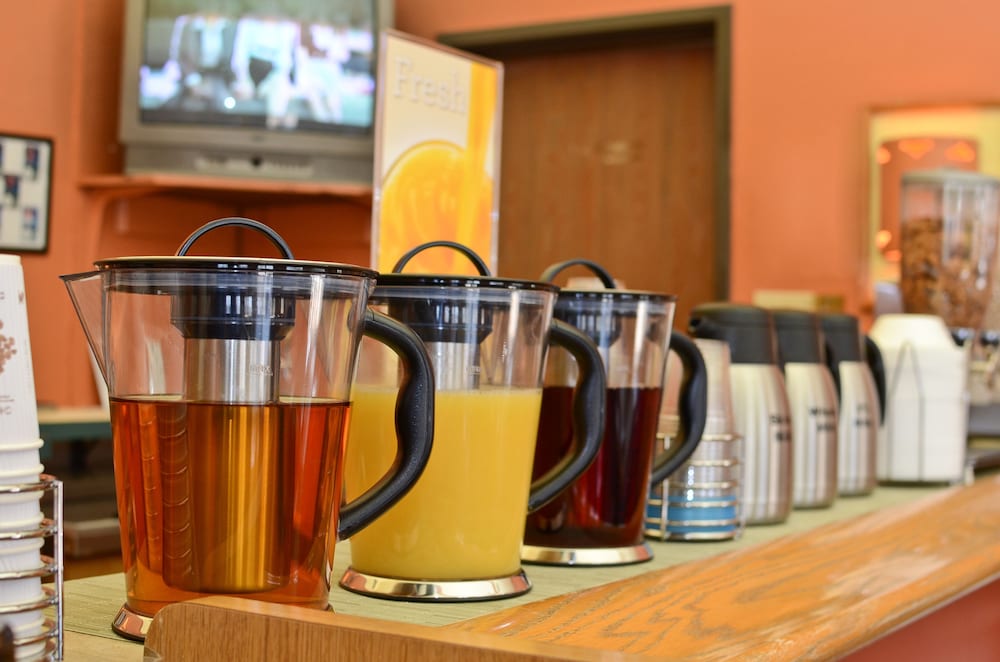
pixel 701 500
pixel 22 523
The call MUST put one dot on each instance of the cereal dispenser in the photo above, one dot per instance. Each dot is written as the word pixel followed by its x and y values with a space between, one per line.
pixel 948 238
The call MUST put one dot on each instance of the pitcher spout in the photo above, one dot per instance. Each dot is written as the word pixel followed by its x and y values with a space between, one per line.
pixel 87 294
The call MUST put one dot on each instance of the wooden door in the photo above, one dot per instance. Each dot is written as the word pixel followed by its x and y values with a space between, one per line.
pixel 611 151
pixel 607 155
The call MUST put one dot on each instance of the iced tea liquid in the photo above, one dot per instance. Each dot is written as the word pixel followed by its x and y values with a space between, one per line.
pixel 605 507
pixel 226 498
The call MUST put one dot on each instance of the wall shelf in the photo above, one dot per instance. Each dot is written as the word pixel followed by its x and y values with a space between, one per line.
pixel 249 191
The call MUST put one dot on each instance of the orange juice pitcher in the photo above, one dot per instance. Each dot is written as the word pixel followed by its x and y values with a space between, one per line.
pixel 457 535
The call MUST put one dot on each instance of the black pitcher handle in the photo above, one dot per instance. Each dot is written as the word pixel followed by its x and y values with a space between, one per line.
pixel 553 270
pixel 477 261
pixel 588 415
pixel 273 236
pixel 414 425
pixel 873 356
pixel 692 408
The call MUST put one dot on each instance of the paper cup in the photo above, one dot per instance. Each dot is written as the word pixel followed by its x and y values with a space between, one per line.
pixel 32 629
pixel 23 456
pixel 27 624
pixel 20 555
pixel 17 384
pixel 20 512
pixel 23 476
pixel 719 414
pixel 21 592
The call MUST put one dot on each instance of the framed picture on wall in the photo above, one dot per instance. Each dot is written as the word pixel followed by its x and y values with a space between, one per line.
pixel 25 193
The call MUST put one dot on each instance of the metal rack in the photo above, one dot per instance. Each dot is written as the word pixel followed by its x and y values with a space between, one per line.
pixel 51 568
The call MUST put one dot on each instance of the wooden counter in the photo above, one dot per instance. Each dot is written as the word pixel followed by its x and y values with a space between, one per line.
pixel 820 586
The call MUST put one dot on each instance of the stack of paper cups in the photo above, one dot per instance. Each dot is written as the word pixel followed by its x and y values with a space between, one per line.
pixel 701 499
pixel 19 459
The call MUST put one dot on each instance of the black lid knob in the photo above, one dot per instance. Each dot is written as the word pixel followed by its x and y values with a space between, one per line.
pixel 219 312
pixel 748 330
pixel 443 320
pixel 800 338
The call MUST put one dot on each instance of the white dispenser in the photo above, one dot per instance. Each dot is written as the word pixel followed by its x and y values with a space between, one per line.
pixel 927 400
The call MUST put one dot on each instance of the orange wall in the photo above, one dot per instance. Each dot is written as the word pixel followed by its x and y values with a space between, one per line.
pixel 804 76
pixel 38 42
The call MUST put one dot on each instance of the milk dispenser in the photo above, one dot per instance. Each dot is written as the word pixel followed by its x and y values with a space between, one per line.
pixel 923 438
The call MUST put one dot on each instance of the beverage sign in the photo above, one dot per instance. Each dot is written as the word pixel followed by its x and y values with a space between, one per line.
pixel 437 155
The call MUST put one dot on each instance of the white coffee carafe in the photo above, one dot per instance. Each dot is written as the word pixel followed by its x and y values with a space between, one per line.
pixel 856 366
pixel 923 438
pixel 812 399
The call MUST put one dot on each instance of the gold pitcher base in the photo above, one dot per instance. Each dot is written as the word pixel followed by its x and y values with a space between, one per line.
pixel 593 556
pixel 468 590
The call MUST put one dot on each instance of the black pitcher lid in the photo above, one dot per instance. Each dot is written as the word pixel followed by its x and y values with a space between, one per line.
pixel 388 280
pixel 232 264
pixel 219 297
pixel 414 298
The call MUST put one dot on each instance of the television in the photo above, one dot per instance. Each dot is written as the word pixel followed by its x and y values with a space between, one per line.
pixel 278 89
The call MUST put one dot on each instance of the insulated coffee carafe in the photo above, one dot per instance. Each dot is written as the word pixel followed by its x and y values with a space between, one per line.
pixel 230 382
pixel 812 401
pixel 856 366
pixel 760 404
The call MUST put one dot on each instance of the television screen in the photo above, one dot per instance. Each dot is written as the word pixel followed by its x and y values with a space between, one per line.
pixel 303 65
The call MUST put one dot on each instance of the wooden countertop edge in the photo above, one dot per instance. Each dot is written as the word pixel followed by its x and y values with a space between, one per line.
pixel 180 632
pixel 817 594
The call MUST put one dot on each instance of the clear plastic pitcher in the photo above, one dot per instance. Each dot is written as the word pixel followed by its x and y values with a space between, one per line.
pixel 599 519
pixel 230 382
pixel 457 535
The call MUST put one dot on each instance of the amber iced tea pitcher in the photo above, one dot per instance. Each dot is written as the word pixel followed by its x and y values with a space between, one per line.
pixel 230 381
pixel 457 534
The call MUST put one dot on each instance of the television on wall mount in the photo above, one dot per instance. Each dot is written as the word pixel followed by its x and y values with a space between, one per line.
pixel 277 89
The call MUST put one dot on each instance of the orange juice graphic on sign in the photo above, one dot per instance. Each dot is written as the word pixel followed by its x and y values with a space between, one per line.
pixel 436 166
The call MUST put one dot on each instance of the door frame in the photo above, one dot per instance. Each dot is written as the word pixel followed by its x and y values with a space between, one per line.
pixel 681 26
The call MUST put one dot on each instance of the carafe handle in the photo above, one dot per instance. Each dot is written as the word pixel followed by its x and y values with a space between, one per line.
pixel 552 271
pixel 873 357
pixel 414 425
pixel 461 248
pixel 273 236
pixel 588 415
pixel 692 408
